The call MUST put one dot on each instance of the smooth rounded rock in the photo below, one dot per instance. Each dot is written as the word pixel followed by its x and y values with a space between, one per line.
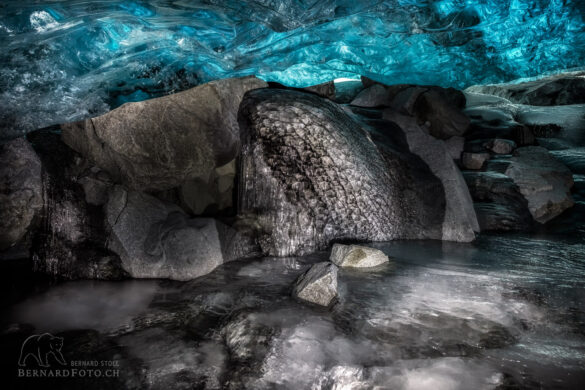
pixel 357 256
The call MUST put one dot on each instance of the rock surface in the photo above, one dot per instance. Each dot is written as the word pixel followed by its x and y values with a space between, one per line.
pixel 439 107
pixel 313 173
pixel 317 285
pixel 544 181
pixel 157 144
pixel 21 194
pixel 460 222
pixel 356 256
pixel 501 146
pixel 155 239
pixel 70 239
pixel 474 160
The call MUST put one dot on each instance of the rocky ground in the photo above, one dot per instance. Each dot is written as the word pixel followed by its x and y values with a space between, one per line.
pixel 175 186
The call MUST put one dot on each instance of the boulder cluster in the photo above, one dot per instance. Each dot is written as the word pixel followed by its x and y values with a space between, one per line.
pixel 175 186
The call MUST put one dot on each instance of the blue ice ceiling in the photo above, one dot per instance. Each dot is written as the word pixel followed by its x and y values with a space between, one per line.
pixel 65 60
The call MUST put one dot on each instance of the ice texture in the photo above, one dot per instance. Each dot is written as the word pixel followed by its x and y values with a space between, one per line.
pixel 66 60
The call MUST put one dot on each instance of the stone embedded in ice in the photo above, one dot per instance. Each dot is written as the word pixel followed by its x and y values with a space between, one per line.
pixel 318 284
pixel 501 146
pixel 356 256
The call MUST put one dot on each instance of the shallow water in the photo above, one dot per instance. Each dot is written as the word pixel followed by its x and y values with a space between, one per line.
pixel 503 312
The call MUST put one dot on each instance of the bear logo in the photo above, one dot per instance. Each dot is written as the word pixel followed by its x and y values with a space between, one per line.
pixel 40 347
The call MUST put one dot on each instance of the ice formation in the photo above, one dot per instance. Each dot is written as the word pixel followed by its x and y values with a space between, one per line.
pixel 64 60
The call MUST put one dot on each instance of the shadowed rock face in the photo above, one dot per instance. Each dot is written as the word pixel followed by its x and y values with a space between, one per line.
pixel 545 182
pixel 311 173
pixel 21 194
pixel 160 143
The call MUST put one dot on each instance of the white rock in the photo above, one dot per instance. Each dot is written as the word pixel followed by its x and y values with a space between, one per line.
pixel 317 285
pixel 357 256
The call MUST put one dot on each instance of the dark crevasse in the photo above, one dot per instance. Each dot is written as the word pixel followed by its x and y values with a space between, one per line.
pixel 66 60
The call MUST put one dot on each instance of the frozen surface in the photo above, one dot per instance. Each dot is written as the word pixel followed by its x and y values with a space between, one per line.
pixel 503 311
pixel 64 60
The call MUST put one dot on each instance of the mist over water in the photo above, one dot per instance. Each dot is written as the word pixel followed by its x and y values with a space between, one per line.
pixel 503 311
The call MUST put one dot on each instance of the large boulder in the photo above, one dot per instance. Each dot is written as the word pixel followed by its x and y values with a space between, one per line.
pixel 312 173
pixel 544 182
pixel 160 143
pixel 561 89
pixel 356 256
pixel 156 239
pixel 460 222
pixel 317 285
pixel 440 108
pixel 21 196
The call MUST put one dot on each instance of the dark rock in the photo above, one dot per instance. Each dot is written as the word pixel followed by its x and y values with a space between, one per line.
pixel 442 108
pixel 474 160
pixel 544 181
pixel 158 144
pixel 325 90
pixel 317 285
pixel 498 203
pixel 523 136
pixel 312 173
pixel 561 89
pixel 70 239
pixel 455 146
pixel 21 194
pixel 439 107
pixel 212 195
pixel 501 146
pixel 356 256
pixel 155 239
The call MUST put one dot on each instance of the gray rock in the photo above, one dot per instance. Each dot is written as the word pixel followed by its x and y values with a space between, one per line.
pixel 474 160
pixel 312 173
pixel 455 147
pixel 373 96
pixel 544 182
pixel 325 90
pixel 213 195
pixel 498 203
pixel 317 285
pixel 96 185
pixel 561 89
pixel 460 222
pixel 501 146
pixel 155 239
pixel 356 256
pixel 21 196
pixel 158 144
pixel 441 108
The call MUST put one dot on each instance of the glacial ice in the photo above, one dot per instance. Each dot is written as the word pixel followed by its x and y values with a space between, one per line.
pixel 65 60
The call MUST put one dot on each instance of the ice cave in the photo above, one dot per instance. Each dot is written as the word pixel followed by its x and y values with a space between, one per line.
pixel 292 194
